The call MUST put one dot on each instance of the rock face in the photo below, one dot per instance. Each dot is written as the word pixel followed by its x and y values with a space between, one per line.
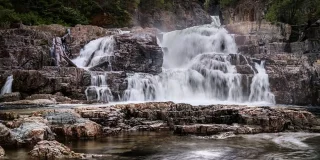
pixel 181 14
pixel 24 48
pixel 293 77
pixel 138 51
pixel 293 74
pixel 244 10
pixel 69 81
pixel 52 150
pixel 25 55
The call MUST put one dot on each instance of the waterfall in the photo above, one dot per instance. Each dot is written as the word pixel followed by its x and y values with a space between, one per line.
pixel 99 89
pixel 7 88
pixel 94 53
pixel 197 67
pixel 260 86
pixel 216 21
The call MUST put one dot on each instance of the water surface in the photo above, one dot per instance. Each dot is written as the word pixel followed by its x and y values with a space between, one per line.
pixel 166 146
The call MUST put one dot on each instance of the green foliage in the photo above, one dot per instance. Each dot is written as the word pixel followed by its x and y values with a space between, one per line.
pixel 225 3
pixel 294 11
pixel 156 4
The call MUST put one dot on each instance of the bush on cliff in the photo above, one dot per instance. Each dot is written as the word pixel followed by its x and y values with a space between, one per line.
pixel 294 12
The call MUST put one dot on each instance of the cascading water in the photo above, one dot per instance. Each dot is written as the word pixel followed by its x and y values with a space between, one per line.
pixel 197 67
pixel 260 86
pixel 216 21
pixel 94 51
pixel 90 56
pixel 7 88
pixel 99 89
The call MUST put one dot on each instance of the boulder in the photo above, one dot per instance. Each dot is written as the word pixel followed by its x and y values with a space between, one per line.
pixel 106 116
pixel 138 51
pixel 52 150
pixel 69 125
pixel 2 153
pixel 28 131
pixel 6 136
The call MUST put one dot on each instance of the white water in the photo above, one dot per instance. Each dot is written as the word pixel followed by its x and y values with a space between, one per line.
pixel 97 50
pixel 101 48
pixel 216 21
pixel 285 140
pixel 99 89
pixel 7 88
pixel 197 67
pixel 260 90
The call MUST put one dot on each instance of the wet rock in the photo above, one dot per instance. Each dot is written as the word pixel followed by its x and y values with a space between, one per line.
pixel 261 119
pixel 56 98
pixel 2 153
pixel 52 150
pixel 19 121
pixel 6 137
pixel 10 97
pixel 31 133
pixel 105 116
pixel 212 129
pixel 31 102
pixel 7 116
pixel 25 132
pixel 111 131
pixel 68 124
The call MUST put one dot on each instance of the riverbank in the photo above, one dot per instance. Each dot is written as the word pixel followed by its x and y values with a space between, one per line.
pixel 77 123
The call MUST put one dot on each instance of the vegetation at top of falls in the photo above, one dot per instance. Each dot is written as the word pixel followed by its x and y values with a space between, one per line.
pixel 69 13
pixel 228 2
pixel 294 12
pixel 107 13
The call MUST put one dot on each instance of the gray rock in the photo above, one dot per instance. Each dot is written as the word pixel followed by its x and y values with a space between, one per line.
pixel 10 97
pixel 2 152
pixel 52 150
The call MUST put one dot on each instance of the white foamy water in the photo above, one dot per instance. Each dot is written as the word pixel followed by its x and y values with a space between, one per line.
pixel 91 55
pixel 260 90
pixel 99 89
pixel 95 51
pixel 216 21
pixel 197 68
pixel 285 140
pixel 7 88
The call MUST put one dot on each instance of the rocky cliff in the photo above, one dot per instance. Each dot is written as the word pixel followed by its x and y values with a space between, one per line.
pixel 292 66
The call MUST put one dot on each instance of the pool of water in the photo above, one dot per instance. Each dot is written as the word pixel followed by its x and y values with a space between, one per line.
pixel 166 146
